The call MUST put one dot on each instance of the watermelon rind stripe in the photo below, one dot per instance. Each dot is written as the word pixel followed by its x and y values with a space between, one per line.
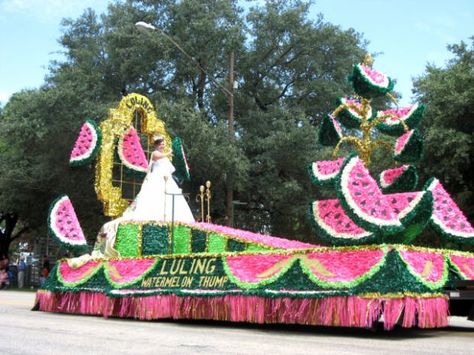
pixel 350 207
pixel 87 158
pixel 447 234
pixel 412 119
pixel 77 246
pixel 407 181
pixel 325 232
pixel 365 87
pixel 179 160
pixel 413 149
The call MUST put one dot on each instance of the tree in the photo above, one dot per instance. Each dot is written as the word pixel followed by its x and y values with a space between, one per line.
pixel 289 71
pixel 449 146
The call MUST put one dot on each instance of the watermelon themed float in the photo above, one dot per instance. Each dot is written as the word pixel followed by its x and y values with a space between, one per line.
pixel 367 272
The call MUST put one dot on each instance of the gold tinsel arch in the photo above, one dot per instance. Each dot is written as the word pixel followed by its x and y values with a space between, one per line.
pixel 118 122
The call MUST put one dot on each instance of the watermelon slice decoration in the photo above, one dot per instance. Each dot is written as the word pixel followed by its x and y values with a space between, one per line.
pixel 74 276
pixel 363 200
pixel 87 144
pixel 414 210
pixel 343 268
pixel 429 267
pixel 410 115
pixel 131 152
pixel 370 83
pixel 121 273
pixel 179 160
pixel 64 225
pixel 447 218
pixel 403 178
pixel 324 172
pixel 250 271
pixel 333 225
pixel 351 116
pixel 330 131
pixel 408 147
pixel 463 264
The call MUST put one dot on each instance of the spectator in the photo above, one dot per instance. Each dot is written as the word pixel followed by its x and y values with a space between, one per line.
pixel 4 279
pixel 21 272
pixel 44 270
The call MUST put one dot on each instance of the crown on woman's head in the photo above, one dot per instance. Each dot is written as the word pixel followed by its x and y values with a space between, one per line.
pixel 158 137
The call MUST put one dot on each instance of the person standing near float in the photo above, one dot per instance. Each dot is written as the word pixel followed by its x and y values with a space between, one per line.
pixel 21 272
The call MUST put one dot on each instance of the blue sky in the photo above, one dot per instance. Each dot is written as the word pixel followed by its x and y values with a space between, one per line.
pixel 407 33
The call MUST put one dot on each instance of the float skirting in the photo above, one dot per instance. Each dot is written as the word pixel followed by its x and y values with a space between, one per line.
pixel 339 311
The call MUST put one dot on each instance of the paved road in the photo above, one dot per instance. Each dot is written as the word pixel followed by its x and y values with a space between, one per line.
pixel 25 332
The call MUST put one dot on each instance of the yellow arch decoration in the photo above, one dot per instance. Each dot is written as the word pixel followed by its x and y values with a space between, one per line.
pixel 114 127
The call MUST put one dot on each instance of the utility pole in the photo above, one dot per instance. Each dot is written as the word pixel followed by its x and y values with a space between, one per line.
pixel 230 122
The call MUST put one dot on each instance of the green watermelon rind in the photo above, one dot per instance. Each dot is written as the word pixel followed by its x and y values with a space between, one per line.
pixel 364 86
pixel 179 160
pixel 365 223
pixel 80 246
pixel 348 118
pixel 87 158
pixel 327 180
pixel 407 181
pixel 413 149
pixel 431 285
pixel 328 134
pixel 396 129
pixel 327 237
pixel 437 226
pixel 130 168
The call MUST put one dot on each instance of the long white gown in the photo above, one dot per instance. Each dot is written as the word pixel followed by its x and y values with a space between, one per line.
pixel 155 202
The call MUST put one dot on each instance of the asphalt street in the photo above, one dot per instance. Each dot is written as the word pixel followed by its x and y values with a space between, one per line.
pixel 23 331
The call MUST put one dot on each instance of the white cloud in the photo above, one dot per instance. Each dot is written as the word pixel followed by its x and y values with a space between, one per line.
pixel 49 11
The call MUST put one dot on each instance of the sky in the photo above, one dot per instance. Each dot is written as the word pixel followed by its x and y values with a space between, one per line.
pixel 407 34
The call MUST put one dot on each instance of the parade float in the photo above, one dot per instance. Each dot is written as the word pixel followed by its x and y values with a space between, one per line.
pixel 368 272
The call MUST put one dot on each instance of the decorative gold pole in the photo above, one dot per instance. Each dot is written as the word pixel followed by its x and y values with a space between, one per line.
pixel 208 199
pixel 164 202
pixel 201 199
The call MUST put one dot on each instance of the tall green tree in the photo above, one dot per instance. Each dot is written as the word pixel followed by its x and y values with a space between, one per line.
pixel 448 93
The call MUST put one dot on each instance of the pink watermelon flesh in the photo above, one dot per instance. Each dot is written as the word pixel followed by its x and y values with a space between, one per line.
pixel 120 271
pixel 330 216
pixel 402 203
pixel 390 175
pixel 78 274
pixel 352 102
pixel 364 201
pixel 85 142
pixel 132 150
pixel 65 224
pixel 446 214
pixel 398 114
pixel 402 141
pixel 375 76
pixel 327 168
pixel 337 126
pixel 418 260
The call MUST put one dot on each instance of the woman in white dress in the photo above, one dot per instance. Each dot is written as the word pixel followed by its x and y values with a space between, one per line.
pixel 155 202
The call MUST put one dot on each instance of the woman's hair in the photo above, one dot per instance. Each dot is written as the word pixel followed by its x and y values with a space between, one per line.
pixel 157 139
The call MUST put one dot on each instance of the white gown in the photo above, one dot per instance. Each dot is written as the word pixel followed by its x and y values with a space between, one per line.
pixel 154 202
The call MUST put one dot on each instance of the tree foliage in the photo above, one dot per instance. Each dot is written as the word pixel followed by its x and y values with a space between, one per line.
pixel 289 69
pixel 448 123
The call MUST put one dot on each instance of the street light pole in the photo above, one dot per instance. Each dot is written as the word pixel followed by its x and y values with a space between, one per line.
pixel 230 122
pixel 229 92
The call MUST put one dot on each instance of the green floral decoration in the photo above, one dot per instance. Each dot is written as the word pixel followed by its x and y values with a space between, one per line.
pixel 329 131
pixel 216 243
pixel 126 242
pixel 407 181
pixel 198 241
pixel 179 160
pixel 155 239
pixel 413 149
pixel 182 240
pixel 235 245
